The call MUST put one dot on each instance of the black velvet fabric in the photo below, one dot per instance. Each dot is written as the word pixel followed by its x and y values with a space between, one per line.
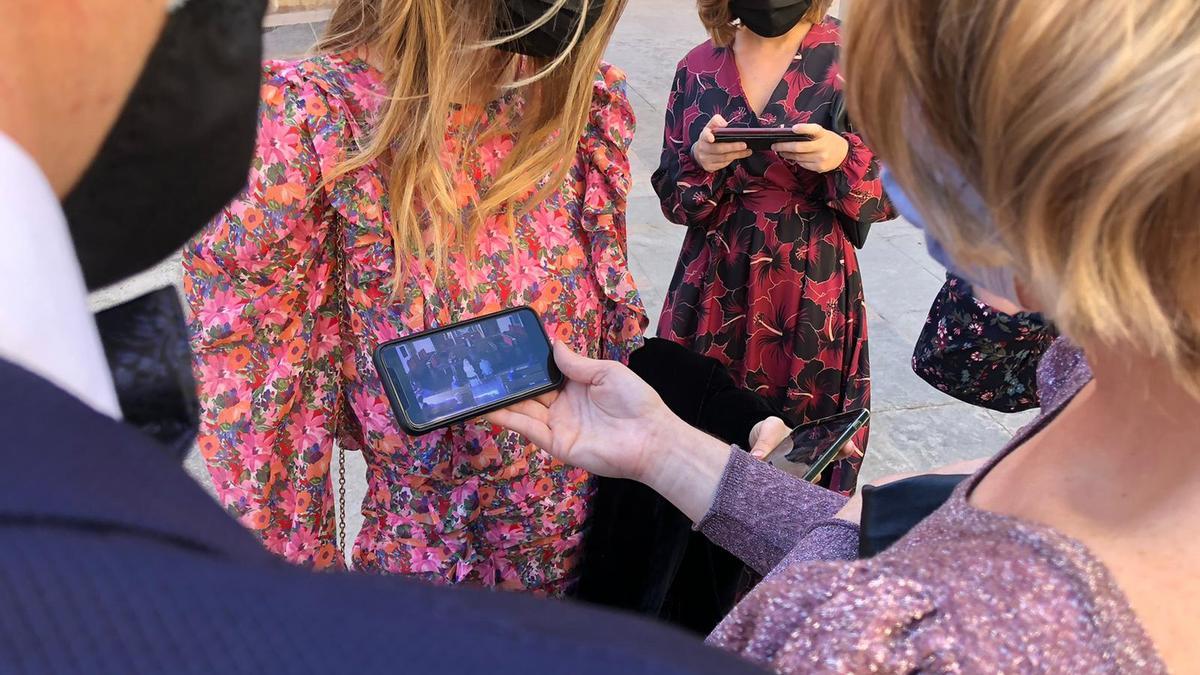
pixel 640 553
pixel 146 344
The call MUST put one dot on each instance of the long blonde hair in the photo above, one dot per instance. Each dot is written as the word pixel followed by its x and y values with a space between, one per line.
pixel 1077 123
pixel 431 53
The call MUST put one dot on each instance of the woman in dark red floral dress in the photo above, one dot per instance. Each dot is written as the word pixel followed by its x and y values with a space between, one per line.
pixel 767 281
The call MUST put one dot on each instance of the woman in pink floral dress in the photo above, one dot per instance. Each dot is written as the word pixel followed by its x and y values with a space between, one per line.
pixel 296 282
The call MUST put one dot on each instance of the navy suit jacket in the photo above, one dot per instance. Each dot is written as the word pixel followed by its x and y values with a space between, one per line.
pixel 112 560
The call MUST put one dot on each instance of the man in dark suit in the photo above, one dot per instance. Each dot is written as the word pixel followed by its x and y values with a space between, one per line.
pixel 111 558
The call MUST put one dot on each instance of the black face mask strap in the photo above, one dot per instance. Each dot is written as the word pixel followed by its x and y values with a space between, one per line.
pixel 550 39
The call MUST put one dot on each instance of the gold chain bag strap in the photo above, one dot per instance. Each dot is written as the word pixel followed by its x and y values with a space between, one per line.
pixel 341 524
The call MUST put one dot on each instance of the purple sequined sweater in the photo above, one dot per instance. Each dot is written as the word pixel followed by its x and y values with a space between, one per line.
pixel 967 591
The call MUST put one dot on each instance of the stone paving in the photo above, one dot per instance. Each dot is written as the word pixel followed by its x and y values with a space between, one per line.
pixel 914 426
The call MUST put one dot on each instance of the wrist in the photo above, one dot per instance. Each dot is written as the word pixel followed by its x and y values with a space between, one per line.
pixel 685 465
pixel 851 511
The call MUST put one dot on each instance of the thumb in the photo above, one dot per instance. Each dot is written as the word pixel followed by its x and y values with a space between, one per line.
pixel 717 122
pixel 762 447
pixel 577 368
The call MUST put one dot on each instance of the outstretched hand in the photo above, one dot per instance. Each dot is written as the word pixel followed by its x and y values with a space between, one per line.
pixel 605 419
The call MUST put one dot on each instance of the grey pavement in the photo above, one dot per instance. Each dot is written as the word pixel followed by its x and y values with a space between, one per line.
pixel 915 427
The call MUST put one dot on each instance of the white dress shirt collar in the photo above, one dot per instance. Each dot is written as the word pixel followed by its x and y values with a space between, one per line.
pixel 46 326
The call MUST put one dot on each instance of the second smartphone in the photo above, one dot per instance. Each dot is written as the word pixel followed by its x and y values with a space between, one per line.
pixel 810 448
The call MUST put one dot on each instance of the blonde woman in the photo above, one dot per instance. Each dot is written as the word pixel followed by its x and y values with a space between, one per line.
pixel 435 161
pixel 1052 152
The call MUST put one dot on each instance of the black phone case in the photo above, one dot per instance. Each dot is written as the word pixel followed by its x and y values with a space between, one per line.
pixel 760 142
pixel 398 410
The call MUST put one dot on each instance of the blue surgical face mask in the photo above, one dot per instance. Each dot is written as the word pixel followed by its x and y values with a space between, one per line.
pixel 999 281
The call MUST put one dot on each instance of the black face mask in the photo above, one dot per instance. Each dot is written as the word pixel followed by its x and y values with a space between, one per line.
pixel 769 18
pixel 551 38
pixel 181 148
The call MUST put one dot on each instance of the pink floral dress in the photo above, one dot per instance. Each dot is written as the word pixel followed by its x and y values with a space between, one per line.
pixel 291 290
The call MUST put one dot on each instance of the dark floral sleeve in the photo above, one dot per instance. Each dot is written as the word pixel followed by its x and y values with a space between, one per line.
pixel 855 188
pixel 689 194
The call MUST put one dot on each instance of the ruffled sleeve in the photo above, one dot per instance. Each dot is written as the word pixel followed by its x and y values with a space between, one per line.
pixel 262 285
pixel 605 145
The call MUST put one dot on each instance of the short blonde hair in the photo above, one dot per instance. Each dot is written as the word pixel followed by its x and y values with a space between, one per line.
pixel 1078 123
pixel 718 19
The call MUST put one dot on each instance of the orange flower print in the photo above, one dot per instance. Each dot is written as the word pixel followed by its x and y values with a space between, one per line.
pixel 208 446
pixel 325 557
pixel 552 290
pixel 238 359
pixel 272 95
pixel 563 332
pixel 315 108
pixel 286 194
pixel 572 258
pixel 258 519
pixel 234 413
pixel 252 219
pixel 543 487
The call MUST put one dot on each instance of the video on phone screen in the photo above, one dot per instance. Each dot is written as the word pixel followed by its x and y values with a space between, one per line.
pixel 451 372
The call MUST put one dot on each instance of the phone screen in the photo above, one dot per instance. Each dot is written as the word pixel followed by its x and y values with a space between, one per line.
pixel 461 371
pixel 812 447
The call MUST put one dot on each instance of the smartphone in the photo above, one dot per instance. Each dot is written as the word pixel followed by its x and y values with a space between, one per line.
pixel 461 371
pixel 758 138
pixel 810 448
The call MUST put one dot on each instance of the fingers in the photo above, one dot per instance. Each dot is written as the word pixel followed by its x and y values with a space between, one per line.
pixel 535 431
pixel 760 451
pixel 533 409
pixel 710 159
pixel 798 147
pixel 722 158
pixel 717 122
pixel 547 399
pixel 575 367
pixel 719 149
pixel 850 450
pixel 814 130
pixel 767 435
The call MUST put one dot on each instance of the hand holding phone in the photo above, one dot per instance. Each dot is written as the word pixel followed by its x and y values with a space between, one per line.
pixel 712 155
pixel 809 450
pixel 816 148
pixel 760 138
pixel 461 371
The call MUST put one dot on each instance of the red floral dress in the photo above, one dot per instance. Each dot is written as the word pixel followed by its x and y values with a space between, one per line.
pixel 291 290
pixel 767 282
